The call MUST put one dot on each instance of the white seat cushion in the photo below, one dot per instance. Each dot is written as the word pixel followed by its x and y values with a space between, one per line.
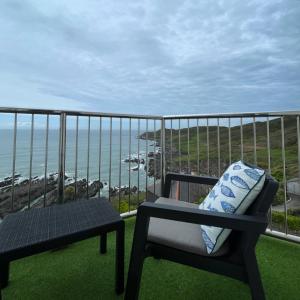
pixel 234 193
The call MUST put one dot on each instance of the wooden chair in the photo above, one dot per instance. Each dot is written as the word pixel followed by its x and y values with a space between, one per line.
pixel 159 232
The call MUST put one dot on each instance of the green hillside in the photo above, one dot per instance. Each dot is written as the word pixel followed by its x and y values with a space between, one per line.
pixel 188 160
pixel 290 136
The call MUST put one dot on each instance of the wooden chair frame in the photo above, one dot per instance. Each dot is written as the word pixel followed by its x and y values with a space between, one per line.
pixel 240 263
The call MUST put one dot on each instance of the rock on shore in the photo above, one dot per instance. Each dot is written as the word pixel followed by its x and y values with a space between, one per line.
pixel 39 192
pixel 123 190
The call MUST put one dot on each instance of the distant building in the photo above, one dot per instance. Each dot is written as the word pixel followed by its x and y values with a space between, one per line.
pixel 293 186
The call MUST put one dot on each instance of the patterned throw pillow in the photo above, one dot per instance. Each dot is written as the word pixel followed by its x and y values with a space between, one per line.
pixel 233 194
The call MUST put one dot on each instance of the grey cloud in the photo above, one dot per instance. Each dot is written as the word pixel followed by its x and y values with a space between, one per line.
pixel 153 56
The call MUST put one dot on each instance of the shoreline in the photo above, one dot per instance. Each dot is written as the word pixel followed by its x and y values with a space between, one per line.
pixel 39 192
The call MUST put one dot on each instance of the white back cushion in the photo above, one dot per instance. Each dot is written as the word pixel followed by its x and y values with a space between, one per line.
pixel 233 194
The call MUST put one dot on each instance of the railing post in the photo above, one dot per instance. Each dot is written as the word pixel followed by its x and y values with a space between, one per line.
pixel 162 155
pixel 14 161
pixel 298 142
pixel 62 157
pixel 284 174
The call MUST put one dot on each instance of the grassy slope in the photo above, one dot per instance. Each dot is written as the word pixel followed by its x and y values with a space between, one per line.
pixel 123 206
pixel 79 272
pixel 276 160
pixel 290 134
pixel 248 144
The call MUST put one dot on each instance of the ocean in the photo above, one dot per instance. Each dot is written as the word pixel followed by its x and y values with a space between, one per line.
pixel 22 166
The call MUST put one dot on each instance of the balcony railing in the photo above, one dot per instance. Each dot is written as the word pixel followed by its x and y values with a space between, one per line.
pixel 52 156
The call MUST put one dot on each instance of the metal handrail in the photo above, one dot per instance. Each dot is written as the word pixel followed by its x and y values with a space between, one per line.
pixel 20 110
pixel 141 116
pixel 233 115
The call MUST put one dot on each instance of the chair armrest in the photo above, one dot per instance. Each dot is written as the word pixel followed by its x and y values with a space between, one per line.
pixel 187 178
pixel 204 217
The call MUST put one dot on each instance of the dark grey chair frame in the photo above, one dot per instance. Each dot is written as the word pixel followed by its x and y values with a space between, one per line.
pixel 241 261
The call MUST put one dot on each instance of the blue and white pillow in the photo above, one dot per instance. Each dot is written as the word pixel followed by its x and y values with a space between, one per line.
pixel 233 194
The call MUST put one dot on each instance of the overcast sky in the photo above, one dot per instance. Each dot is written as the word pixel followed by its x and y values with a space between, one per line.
pixel 151 56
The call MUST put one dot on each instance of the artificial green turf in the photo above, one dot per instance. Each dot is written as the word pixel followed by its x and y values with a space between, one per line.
pixel 80 272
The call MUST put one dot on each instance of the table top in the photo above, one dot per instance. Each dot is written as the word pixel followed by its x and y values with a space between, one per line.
pixel 28 228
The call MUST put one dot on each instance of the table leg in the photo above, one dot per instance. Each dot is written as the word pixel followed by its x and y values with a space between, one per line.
pixel 4 274
pixel 120 258
pixel 103 243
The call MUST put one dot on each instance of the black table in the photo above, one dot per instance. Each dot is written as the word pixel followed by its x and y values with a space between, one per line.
pixel 41 229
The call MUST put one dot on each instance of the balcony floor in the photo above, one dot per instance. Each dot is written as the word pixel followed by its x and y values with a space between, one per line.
pixel 79 272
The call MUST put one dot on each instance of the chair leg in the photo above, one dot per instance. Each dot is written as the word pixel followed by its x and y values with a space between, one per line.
pixel 4 274
pixel 137 257
pixel 103 243
pixel 120 258
pixel 254 279
pixel 134 274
